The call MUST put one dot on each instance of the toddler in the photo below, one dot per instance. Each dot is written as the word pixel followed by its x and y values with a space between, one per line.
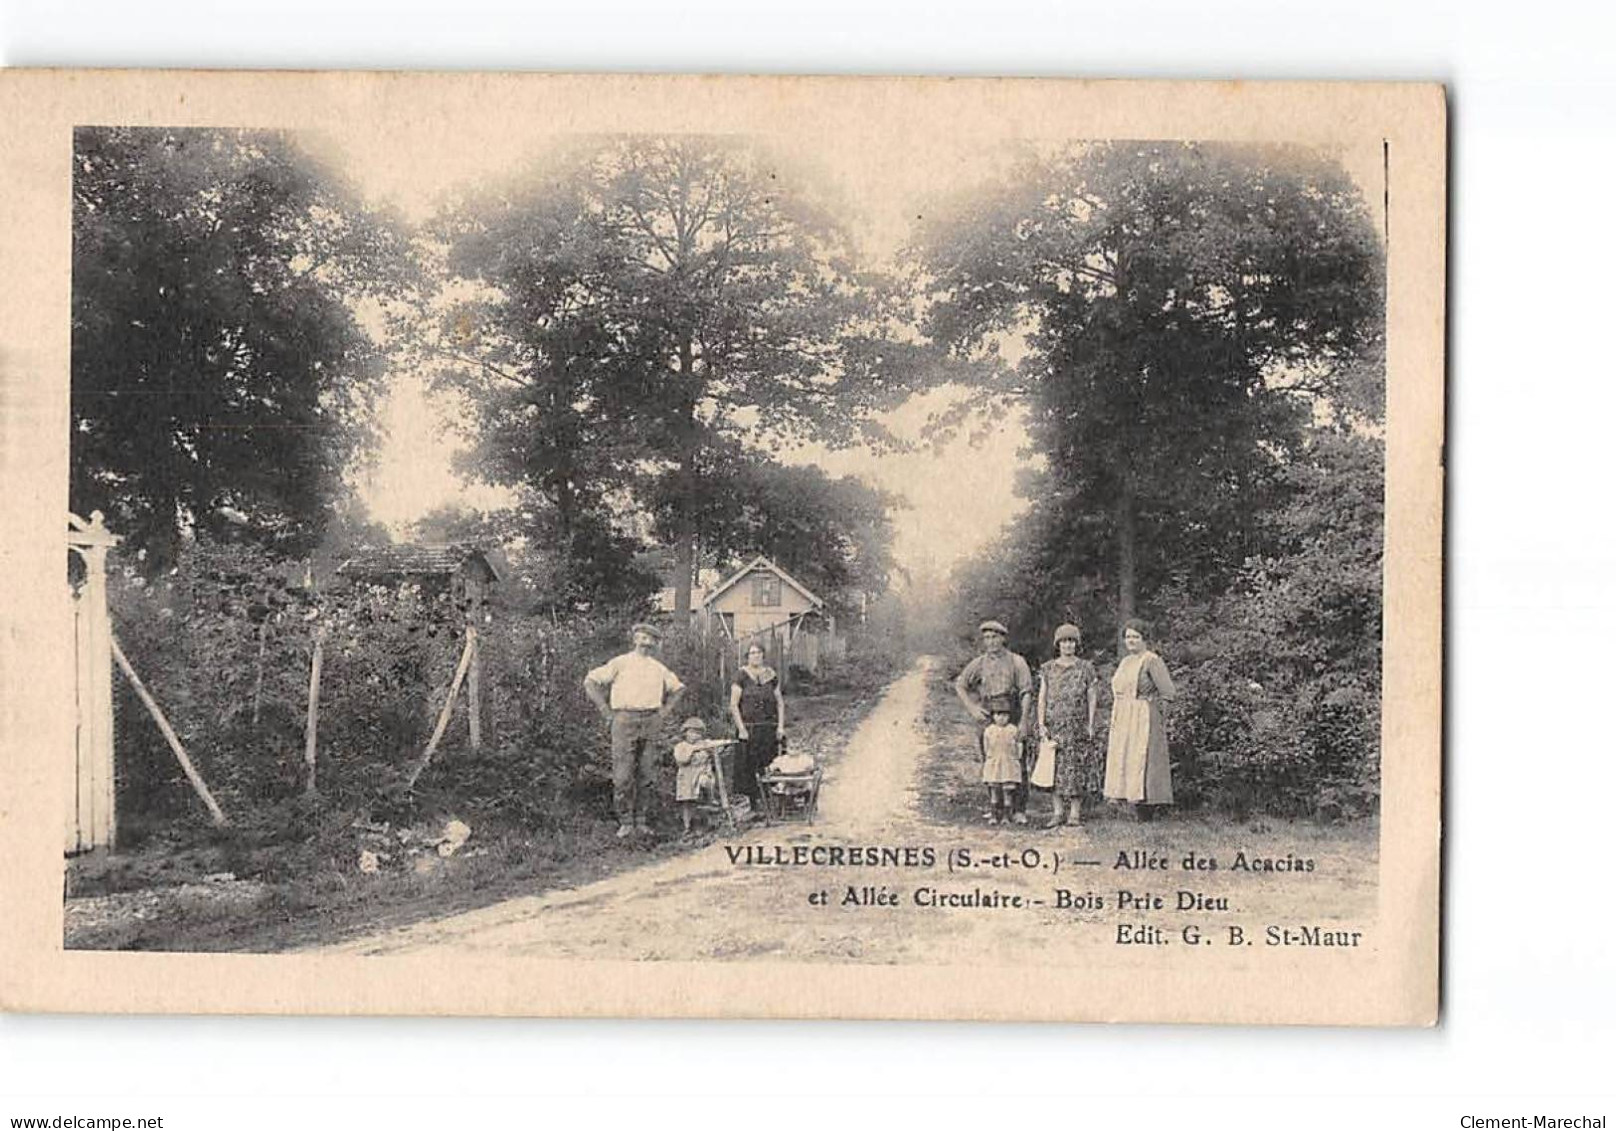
pixel 1001 765
pixel 695 781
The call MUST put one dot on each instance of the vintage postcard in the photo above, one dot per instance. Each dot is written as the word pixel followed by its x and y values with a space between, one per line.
pixel 722 546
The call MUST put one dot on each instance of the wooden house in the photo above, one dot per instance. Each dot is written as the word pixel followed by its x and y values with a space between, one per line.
pixel 762 603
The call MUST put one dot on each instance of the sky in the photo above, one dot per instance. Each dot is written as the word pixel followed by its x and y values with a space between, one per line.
pixel 960 495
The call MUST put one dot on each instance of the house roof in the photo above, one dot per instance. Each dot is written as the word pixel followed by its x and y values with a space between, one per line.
pixel 438 559
pixel 762 562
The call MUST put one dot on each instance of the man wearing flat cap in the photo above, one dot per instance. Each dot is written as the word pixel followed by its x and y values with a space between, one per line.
pixel 999 680
pixel 634 692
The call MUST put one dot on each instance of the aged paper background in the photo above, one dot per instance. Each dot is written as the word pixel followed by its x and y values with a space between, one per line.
pixel 1393 983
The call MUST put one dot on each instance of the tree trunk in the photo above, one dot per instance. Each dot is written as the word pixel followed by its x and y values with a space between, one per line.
pixel 564 473
pixel 684 555
pixel 1127 562
pixel 684 568
pixel 566 501
pixel 162 536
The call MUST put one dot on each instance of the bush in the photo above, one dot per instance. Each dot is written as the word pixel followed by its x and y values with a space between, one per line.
pixel 873 660
pixel 199 636
pixel 1279 706
pixel 545 746
pixel 225 641
pixel 1276 656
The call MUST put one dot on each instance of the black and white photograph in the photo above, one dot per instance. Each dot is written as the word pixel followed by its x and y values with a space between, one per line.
pixel 769 549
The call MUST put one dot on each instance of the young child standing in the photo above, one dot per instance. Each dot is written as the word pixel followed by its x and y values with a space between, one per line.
pixel 1001 764
pixel 695 780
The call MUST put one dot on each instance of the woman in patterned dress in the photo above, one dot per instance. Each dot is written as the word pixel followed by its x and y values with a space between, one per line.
pixel 1136 765
pixel 1068 696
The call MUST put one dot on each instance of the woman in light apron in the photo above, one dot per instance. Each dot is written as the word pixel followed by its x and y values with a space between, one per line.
pixel 1136 765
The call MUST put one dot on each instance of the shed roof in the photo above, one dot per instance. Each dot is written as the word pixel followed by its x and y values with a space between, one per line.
pixel 432 559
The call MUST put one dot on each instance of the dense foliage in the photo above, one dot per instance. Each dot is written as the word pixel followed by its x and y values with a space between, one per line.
pixel 1280 673
pixel 225 642
pixel 1203 373
pixel 1181 309
pixel 221 377
pixel 626 325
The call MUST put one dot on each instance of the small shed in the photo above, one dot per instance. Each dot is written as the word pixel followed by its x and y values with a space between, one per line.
pixel 706 581
pixel 763 603
pixel 465 572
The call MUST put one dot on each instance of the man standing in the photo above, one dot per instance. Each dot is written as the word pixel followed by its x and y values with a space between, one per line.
pixel 634 693
pixel 1000 680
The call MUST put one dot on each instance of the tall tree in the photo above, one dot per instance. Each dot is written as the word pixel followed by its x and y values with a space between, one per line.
pixel 654 306
pixel 554 381
pixel 220 376
pixel 1183 311
pixel 832 534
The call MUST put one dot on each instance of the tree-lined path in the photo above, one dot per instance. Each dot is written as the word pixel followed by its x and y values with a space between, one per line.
pixel 652 359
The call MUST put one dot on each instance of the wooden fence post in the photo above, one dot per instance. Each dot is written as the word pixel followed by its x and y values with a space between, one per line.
pixel 195 778
pixel 785 655
pixel 258 676
pixel 448 709
pixel 474 689
pixel 311 723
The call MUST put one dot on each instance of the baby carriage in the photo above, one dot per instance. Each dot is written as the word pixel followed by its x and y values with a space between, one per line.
pixel 790 788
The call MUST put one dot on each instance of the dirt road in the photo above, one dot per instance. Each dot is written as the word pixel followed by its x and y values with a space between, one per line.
pixel 876 880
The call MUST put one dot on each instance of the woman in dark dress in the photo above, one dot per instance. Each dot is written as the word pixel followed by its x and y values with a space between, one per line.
pixel 759 711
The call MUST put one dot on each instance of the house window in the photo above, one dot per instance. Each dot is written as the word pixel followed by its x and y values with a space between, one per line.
pixel 765 591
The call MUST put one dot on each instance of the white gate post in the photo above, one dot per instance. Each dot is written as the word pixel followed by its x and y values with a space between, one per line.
pixel 93 822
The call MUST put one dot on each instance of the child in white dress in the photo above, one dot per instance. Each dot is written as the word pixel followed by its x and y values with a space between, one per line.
pixel 1001 765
